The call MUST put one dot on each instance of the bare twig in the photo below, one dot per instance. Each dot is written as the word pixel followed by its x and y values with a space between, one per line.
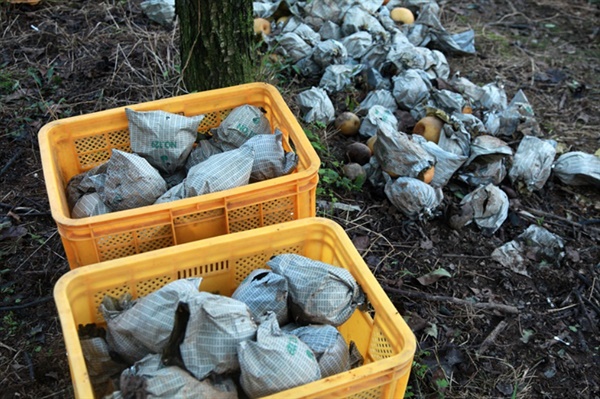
pixel 37 249
pixel 7 347
pixel 12 159
pixel 458 301
pixel 29 365
pixel 562 219
pixel 591 284
pixel 562 309
pixel 491 338
pixel 584 311
pixel 592 305
pixel 61 393
pixel 465 256
pixel 26 305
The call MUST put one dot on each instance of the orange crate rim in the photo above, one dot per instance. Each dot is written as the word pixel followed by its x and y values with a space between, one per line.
pixel 73 145
pixel 385 340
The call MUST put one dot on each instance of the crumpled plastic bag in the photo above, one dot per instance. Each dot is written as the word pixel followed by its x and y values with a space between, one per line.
pixel 374 173
pixel 411 88
pixel 427 30
pixel 578 168
pixel 164 139
pixel 305 32
pixel 374 80
pixel 490 97
pixel 316 106
pixel 146 325
pixel 472 124
pixel 160 11
pixel 330 30
pixel 446 163
pixel 337 78
pixel 175 178
pixel 521 103
pixel 464 86
pixel 357 19
pixel 308 68
pixel 270 159
pixel 455 138
pixel 220 172
pixel 487 162
pixel 94 178
pixel 448 101
pixel 517 117
pixel 488 146
pixel 89 205
pixel 242 123
pixel 319 293
pixel 414 198
pixel 357 44
pixel 403 56
pixel 204 150
pixel 406 56
pixel 329 52
pixel 317 12
pixel 216 326
pixel 532 163
pixel 377 116
pixel 376 55
pixel 276 361
pixel 264 291
pixel 493 97
pixel 83 183
pixel 489 205
pixel 380 97
pixel 535 244
pixel 130 182
pixel 501 123
pixel 398 155
pixel 101 366
pixel 328 345
pixel 149 378
pixel 265 9
pixel 291 45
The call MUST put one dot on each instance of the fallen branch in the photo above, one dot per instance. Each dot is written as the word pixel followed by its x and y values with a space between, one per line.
pixel 466 256
pixel 16 155
pixel 26 305
pixel 562 309
pixel 491 338
pixel 458 301
pixel 7 347
pixel 592 285
pixel 34 252
pixel 583 226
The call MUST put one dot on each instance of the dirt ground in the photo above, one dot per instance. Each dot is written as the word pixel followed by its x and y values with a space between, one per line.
pixel 483 332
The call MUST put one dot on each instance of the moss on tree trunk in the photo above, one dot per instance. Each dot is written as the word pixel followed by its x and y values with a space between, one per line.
pixel 216 43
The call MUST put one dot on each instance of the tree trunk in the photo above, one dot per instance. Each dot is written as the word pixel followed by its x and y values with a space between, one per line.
pixel 216 43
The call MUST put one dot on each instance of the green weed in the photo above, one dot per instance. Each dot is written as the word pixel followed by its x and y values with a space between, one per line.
pixel 272 68
pixel 8 84
pixel 331 177
pixel 9 325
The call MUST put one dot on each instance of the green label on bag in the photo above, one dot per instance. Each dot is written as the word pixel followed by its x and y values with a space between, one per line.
pixel 163 144
pixel 245 130
pixel 292 345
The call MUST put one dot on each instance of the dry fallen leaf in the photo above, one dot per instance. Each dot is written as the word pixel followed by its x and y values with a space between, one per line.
pixel 433 277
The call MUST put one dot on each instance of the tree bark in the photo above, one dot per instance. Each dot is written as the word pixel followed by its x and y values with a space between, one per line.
pixel 216 39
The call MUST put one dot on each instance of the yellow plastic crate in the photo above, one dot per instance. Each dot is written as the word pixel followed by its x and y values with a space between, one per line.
pixel 74 145
pixel 380 333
